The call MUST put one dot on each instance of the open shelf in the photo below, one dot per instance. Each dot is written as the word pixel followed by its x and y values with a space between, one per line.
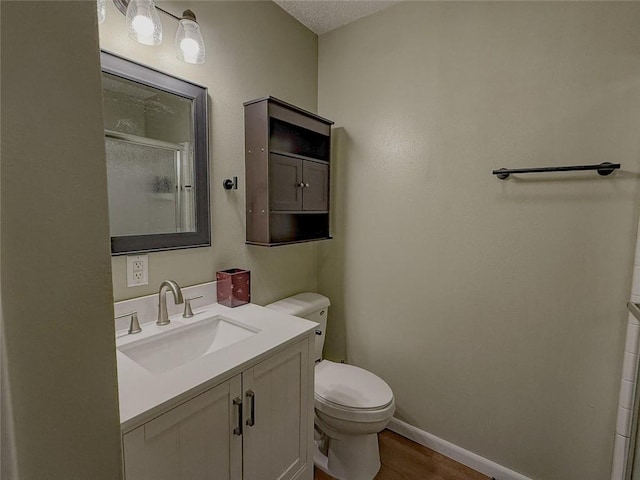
pixel 296 227
pixel 295 155
pixel 279 244
pixel 293 139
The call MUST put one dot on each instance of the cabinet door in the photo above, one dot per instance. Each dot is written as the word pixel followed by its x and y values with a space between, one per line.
pixel 194 441
pixel 277 436
pixel 285 183
pixel 316 186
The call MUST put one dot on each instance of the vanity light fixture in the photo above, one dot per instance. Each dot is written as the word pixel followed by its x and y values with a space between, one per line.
pixel 143 24
pixel 189 41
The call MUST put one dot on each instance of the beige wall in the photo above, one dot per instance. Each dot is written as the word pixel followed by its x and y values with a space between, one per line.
pixel 56 290
pixel 495 310
pixel 253 49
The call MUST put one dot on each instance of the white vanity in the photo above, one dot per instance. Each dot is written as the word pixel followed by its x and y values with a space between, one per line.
pixel 226 394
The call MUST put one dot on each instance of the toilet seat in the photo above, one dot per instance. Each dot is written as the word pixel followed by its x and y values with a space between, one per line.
pixel 351 393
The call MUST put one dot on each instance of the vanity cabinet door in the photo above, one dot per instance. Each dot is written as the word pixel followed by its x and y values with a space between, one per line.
pixel 279 427
pixel 193 441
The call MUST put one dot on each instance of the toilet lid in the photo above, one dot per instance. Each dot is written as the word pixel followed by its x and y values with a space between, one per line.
pixel 350 386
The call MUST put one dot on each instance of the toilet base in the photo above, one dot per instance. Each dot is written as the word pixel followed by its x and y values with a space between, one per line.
pixel 351 458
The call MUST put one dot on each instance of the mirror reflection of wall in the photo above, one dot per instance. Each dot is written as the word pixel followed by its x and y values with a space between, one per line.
pixel 142 110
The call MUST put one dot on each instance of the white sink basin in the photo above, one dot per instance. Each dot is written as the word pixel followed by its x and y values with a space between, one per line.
pixel 168 350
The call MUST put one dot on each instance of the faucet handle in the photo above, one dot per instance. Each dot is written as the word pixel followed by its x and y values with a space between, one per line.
pixel 134 326
pixel 188 313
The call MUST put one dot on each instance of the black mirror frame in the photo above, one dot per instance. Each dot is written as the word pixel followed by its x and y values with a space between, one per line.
pixel 127 69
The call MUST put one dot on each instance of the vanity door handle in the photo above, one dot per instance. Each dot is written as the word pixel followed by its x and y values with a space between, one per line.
pixel 251 421
pixel 238 402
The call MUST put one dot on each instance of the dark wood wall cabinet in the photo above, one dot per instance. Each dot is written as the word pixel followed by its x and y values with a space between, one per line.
pixel 287 163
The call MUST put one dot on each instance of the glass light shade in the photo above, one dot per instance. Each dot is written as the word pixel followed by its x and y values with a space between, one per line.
pixel 189 42
pixel 143 22
pixel 102 10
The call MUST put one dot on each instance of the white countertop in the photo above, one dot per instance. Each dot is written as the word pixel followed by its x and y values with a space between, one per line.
pixel 144 395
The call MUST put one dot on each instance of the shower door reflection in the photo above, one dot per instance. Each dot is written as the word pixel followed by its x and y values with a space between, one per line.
pixel 150 184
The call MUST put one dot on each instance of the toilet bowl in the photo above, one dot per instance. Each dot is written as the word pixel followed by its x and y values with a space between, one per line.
pixel 351 404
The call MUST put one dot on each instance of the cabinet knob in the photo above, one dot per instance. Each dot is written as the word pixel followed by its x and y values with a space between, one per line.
pixel 301 185
pixel 306 184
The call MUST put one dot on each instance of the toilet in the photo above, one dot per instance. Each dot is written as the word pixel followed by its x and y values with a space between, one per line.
pixel 351 404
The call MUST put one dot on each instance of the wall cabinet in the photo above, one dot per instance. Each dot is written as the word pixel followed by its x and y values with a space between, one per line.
pixel 287 172
pixel 255 426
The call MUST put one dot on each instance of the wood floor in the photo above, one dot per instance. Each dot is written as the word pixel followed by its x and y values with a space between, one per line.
pixel 403 459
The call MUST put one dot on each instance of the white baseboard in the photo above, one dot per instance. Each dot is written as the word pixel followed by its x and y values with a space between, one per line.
pixel 465 457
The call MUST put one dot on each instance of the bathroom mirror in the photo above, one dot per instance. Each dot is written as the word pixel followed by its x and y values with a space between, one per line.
pixel 156 141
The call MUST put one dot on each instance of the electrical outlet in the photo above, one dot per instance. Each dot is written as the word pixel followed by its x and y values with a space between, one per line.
pixel 137 270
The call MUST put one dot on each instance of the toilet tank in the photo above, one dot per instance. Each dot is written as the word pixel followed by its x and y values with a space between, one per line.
pixel 311 306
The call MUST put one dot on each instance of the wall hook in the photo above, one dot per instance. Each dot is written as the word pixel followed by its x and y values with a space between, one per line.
pixel 230 184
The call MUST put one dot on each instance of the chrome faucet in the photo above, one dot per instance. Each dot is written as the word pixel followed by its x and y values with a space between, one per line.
pixel 163 317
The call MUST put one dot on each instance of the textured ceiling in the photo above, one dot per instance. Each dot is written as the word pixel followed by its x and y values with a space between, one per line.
pixel 322 16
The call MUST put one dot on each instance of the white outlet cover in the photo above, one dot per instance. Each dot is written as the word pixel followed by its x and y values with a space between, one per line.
pixel 137 277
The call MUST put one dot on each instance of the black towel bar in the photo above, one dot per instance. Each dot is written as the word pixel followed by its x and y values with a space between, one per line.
pixel 603 169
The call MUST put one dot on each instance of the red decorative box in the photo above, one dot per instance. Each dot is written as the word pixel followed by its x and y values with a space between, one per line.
pixel 234 287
